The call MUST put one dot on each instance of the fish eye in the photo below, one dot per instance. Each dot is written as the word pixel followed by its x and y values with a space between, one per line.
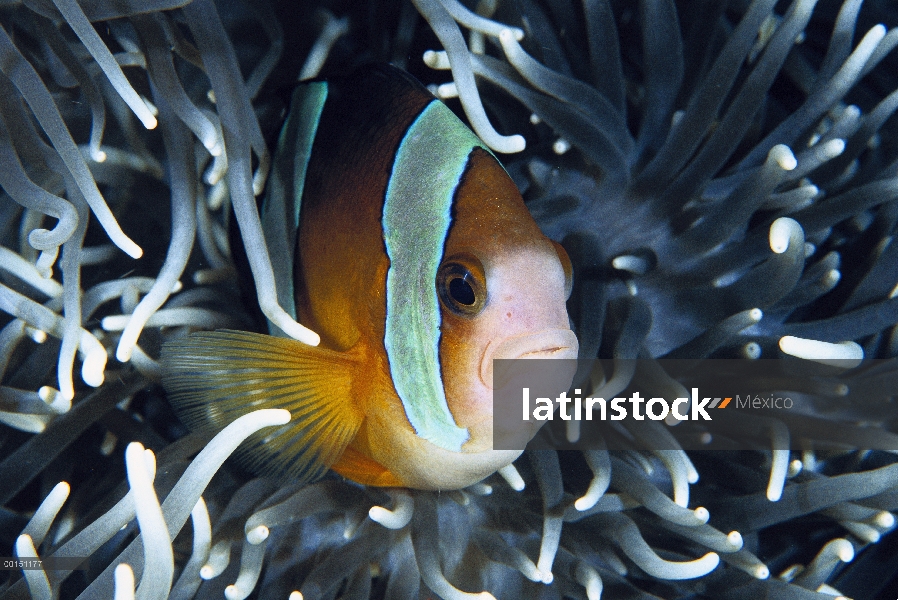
pixel 566 266
pixel 461 285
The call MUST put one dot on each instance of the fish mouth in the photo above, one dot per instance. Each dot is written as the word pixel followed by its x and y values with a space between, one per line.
pixel 549 343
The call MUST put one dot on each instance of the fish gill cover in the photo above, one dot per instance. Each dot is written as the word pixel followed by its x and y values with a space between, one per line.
pixel 723 175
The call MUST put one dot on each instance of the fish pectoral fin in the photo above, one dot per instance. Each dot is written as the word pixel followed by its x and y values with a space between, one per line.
pixel 214 377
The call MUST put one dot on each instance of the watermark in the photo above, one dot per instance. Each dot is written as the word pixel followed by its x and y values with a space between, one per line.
pixel 656 409
pixel 756 402
pixel 51 563
pixel 726 403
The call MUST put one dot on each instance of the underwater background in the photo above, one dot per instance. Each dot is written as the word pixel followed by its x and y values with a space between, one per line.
pixel 724 176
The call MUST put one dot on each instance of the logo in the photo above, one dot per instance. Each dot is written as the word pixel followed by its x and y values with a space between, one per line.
pixel 656 409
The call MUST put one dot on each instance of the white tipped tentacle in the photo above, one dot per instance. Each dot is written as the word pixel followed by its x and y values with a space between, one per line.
pixel 219 558
pixel 627 535
pixel 75 17
pixel 450 36
pixel 15 265
pixel 783 233
pixel 124 582
pixel 333 29
pixel 843 354
pixel 476 22
pixel 600 465
pixel 159 562
pixel 37 581
pixel 45 514
pixel 548 546
pixel 511 476
pixel 829 557
pixel 251 558
pixel 437 60
pixel 399 516
pixel 590 580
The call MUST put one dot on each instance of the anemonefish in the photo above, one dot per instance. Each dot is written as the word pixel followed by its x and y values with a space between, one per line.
pixel 399 238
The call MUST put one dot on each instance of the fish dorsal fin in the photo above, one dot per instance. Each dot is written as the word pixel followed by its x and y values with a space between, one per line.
pixel 283 198
pixel 215 377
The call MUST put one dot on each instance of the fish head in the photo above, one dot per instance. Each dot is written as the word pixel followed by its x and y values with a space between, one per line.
pixel 503 288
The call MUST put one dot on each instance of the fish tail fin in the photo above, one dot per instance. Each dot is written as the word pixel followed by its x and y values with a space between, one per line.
pixel 215 377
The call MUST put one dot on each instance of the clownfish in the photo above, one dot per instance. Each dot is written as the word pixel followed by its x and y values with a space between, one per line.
pixel 397 236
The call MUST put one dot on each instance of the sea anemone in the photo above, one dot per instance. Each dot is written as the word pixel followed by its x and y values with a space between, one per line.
pixel 723 175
